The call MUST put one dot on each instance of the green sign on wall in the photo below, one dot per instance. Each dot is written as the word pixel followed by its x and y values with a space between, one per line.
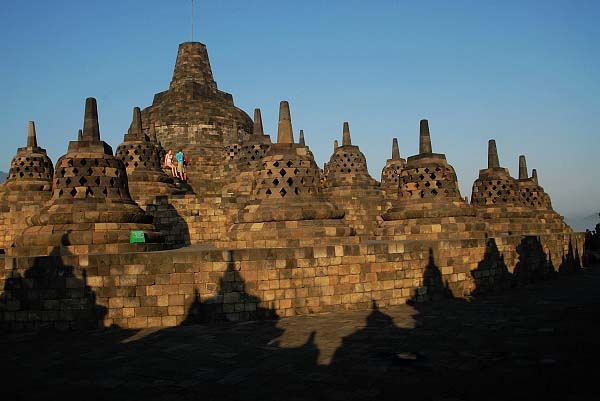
pixel 136 236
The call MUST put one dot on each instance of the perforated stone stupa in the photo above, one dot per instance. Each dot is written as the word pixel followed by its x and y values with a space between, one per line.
pixel 27 188
pixel 350 186
pixel 91 210
pixel 141 158
pixel 287 207
pixel 429 204
pixel 390 174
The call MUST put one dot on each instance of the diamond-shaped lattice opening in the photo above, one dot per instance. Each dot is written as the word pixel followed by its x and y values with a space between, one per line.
pixel 422 194
pixel 105 191
pixel 438 184
pixel 68 181
pixel 290 181
pixel 60 192
pixel 90 171
pixel 296 171
pixel 302 181
pixel 282 172
pixel 70 162
pixel 82 181
pixel 427 184
pixel 434 192
pixel 97 180
pixel 427 169
pixel 269 172
pixel 75 171
pixel 283 192
pixel 275 182
pixel 135 164
pixel 73 192
pixel 289 163
pixel 296 191
pixel 421 177
pixel 83 162
pixel 268 192
pixel 112 182
pixel 432 176
pixel 276 164
pixel 89 192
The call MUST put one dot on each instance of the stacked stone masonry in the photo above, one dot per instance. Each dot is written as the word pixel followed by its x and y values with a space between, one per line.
pixel 258 229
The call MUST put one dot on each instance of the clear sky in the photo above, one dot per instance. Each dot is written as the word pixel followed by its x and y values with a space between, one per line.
pixel 526 73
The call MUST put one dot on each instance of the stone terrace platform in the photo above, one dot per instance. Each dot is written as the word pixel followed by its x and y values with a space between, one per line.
pixel 535 342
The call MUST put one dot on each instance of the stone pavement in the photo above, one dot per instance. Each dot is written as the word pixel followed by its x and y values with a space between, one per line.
pixel 536 342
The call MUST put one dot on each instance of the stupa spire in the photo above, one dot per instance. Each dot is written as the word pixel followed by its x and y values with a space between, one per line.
pixel 493 161
pixel 534 176
pixel 284 130
pixel 346 141
pixel 193 66
pixel 335 145
pixel 31 137
pixel 522 168
pixel 301 139
pixel 424 138
pixel 152 133
pixel 91 128
pixel 258 125
pixel 135 129
pixel 395 149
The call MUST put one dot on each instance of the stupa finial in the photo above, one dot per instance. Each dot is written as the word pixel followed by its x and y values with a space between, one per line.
pixel 91 128
pixel 258 125
pixel 346 141
pixel 395 149
pixel 301 139
pixel 522 168
pixel 493 161
pixel 135 129
pixel 424 138
pixel 152 133
pixel 534 176
pixel 31 137
pixel 335 145
pixel 284 130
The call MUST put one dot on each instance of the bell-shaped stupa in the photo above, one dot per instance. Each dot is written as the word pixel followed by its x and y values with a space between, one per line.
pixel 91 210
pixel 141 157
pixel 350 186
pixel 390 174
pixel 27 188
pixel 287 206
pixel 429 204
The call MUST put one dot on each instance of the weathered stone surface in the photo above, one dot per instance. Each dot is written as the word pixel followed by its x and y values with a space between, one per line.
pixel 90 205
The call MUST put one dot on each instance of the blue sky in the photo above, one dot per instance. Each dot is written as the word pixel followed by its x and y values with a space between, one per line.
pixel 526 73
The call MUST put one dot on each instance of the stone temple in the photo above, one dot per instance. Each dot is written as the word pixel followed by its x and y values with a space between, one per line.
pixel 103 238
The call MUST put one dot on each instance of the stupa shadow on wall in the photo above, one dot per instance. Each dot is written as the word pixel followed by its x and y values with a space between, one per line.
pixel 231 303
pixel 49 294
pixel 534 264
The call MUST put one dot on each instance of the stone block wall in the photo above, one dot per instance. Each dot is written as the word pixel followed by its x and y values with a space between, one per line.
pixel 181 286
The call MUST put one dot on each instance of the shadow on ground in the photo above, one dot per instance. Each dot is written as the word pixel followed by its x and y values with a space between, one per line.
pixel 535 341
